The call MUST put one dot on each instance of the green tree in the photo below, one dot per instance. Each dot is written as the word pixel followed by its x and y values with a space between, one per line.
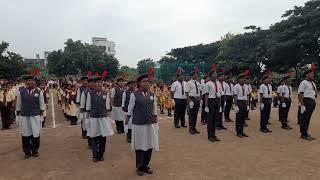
pixel 78 58
pixel 144 64
pixel 11 64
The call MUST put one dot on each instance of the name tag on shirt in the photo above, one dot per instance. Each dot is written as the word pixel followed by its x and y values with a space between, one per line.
pixel 36 95
pixel 151 97
pixel 104 96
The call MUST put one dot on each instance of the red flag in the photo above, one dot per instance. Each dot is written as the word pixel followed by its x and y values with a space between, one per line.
pixel 36 72
pixel 222 70
pixel 124 76
pixel 246 72
pixel 150 73
pixel 96 74
pixel 104 74
pixel 88 73
pixel 30 71
pixel 312 67
pixel 179 71
pixel 213 66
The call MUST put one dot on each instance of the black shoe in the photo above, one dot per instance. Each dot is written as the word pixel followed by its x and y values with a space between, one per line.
pixel 218 128
pixel 229 120
pixel 148 170
pixel 184 126
pixel 216 139
pixel 264 130
pixel 192 131
pixel 196 131
pixel 268 123
pixel 245 125
pixel 247 119
pixel 27 156
pixel 140 173
pixel 211 139
pixel 35 154
pixel 95 159
pixel 305 137
pixel 101 159
pixel 244 135
pixel 240 135
pixel 312 138
pixel 224 128
pixel 268 130
pixel 286 127
pixel 177 126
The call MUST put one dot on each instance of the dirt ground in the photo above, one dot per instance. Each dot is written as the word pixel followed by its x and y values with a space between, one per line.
pixel 64 154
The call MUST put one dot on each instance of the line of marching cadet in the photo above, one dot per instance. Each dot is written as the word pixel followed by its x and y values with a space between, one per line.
pixel 219 93
pixel 133 108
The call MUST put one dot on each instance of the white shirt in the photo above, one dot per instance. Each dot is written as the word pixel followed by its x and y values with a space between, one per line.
pixel 249 88
pixel 228 89
pixel 263 90
pixel 176 88
pixel 285 91
pixel 309 89
pixel 192 87
pixel 213 90
pixel 202 86
pixel 279 89
pixel 220 89
pixel 241 92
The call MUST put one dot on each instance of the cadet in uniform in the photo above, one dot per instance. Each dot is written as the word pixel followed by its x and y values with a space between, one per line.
pixel 204 115
pixel 307 94
pixel 143 110
pixel 7 102
pixel 81 89
pixel 228 92
pixel 99 127
pixel 221 84
pixel 30 106
pixel 116 101
pixel 125 103
pixel 241 104
pixel 193 97
pixel 212 105
pixel 265 91
pixel 285 92
pixel 180 100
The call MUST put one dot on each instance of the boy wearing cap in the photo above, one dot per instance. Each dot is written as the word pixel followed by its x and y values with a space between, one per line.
pixel 42 87
pixel 307 94
pixel 212 105
pixel 228 87
pixel 99 127
pixel 143 110
pixel 116 101
pixel 179 100
pixel 221 85
pixel 265 91
pixel 125 103
pixel 240 95
pixel 193 98
pixel 30 106
pixel 285 92
pixel 204 115
pixel 81 89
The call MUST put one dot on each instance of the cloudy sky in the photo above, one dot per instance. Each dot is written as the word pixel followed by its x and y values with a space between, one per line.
pixel 140 28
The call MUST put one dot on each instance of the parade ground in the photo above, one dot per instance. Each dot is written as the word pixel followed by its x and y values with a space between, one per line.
pixel 182 156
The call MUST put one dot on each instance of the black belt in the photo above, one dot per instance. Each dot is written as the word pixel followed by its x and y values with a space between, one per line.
pixel 309 99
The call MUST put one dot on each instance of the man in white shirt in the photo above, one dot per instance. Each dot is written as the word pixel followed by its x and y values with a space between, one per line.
pixel 228 91
pixel 193 98
pixel 240 94
pixel 180 101
pixel 307 93
pixel 204 115
pixel 284 95
pixel 265 91
pixel 212 105
pixel 220 83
